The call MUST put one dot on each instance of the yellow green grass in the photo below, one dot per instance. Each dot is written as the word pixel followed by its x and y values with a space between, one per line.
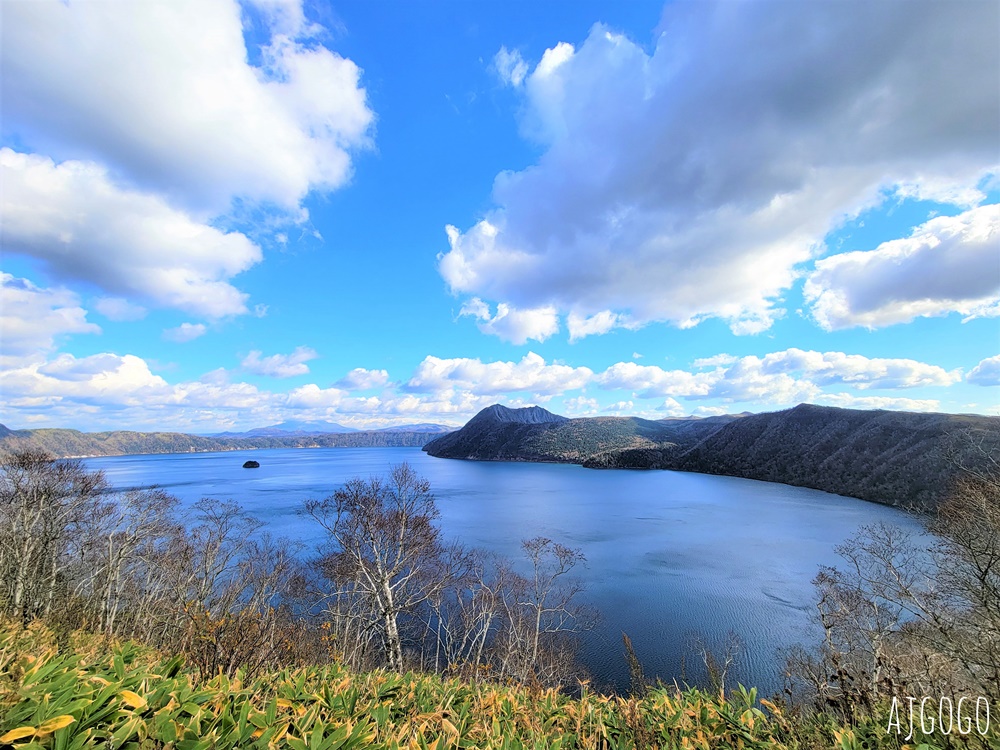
pixel 95 694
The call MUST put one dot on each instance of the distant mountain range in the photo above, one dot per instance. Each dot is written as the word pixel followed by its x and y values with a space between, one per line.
pixel 66 443
pixel 896 458
pixel 299 429
pixel 286 429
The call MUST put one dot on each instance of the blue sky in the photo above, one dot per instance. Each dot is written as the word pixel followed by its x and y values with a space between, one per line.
pixel 222 215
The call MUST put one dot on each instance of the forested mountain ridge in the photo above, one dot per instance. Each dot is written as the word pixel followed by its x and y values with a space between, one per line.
pixel 63 443
pixel 498 433
pixel 896 458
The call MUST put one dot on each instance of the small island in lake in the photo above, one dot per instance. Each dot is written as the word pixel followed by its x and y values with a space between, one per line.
pixel 251 465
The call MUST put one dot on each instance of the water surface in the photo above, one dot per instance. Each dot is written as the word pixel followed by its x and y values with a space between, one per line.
pixel 673 559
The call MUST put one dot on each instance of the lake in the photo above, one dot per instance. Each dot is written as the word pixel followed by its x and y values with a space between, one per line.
pixel 672 557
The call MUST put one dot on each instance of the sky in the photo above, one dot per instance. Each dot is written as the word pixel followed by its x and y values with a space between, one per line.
pixel 220 215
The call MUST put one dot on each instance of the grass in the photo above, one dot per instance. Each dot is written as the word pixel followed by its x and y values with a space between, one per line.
pixel 96 694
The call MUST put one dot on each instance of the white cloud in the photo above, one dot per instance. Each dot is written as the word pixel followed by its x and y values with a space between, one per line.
pixel 581 406
pixel 118 309
pixel 107 381
pixel 947 265
pixel 185 332
pixel 708 411
pixel 696 181
pixel 580 326
pixel 849 401
pixel 531 374
pixel 360 379
pixel 111 391
pixel 986 372
pixel 33 318
pixel 279 365
pixel 786 377
pixel 719 360
pixel 311 396
pixel 861 372
pixel 619 408
pixel 651 381
pixel 164 93
pixel 672 408
pixel 511 324
pixel 510 67
pixel 72 217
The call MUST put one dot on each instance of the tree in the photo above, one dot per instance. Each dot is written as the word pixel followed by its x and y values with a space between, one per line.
pixel 44 506
pixel 384 550
pixel 543 616
pixel 914 614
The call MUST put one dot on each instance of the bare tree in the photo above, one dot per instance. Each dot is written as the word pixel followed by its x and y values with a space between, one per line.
pixel 44 504
pixel 543 619
pixel 913 614
pixel 384 542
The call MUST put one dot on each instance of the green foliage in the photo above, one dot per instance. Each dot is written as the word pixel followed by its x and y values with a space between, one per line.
pixel 101 695
pixel 126 696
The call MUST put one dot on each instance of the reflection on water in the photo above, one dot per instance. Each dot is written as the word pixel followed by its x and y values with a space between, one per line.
pixel 671 557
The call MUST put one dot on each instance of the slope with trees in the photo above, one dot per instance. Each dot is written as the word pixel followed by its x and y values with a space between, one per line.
pixel 896 458
pixel 72 443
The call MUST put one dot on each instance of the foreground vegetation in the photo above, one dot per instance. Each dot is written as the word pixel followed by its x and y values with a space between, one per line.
pixel 97 694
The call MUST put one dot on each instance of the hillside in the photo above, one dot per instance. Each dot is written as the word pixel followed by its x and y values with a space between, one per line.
pixel 66 443
pixel 498 433
pixel 896 458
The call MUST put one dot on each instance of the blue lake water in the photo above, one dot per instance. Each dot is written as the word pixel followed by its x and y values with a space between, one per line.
pixel 672 557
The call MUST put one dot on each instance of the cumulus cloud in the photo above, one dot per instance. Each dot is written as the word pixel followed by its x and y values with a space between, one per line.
pixel 163 92
pixel 185 332
pixel 109 390
pixel 715 361
pixel 33 318
pixel 790 376
pixel 849 401
pixel 279 365
pixel 986 372
pixel 511 324
pixel 581 406
pixel 311 396
pixel 696 181
pixel 531 374
pixel 650 381
pixel 76 220
pixel 672 408
pixel 510 67
pixel 360 379
pixel 861 372
pixel 602 322
pixel 104 380
pixel 947 265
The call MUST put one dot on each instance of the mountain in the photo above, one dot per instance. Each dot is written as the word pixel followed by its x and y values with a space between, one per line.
pixel 896 458
pixel 421 427
pixel 498 433
pixel 285 429
pixel 65 443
